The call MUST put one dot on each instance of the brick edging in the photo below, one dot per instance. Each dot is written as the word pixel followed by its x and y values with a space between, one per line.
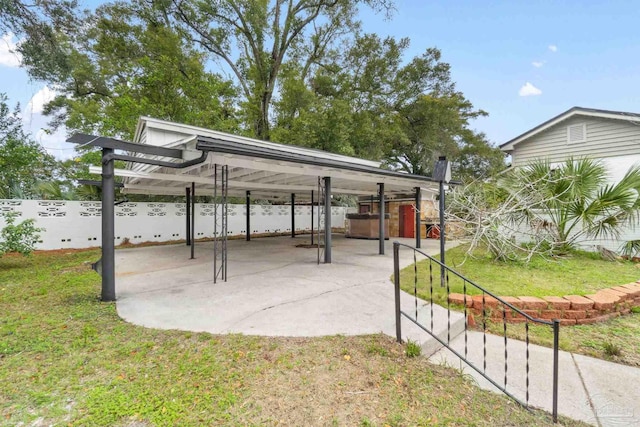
pixel 570 309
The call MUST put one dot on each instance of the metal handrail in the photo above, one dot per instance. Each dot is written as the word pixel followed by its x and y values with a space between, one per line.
pixel 491 294
pixel 555 324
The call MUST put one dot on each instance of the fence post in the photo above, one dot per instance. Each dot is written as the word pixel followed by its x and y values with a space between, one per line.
pixel 556 344
pixel 396 283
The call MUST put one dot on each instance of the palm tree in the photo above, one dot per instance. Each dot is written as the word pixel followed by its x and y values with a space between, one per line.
pixel 575 200
pixel 13 191
pixel 53 190
pixel 88 192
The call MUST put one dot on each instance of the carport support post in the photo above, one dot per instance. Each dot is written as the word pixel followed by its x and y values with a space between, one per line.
pixel 108 228
pixel 442 174
pixel 381 221
pixel 418 208
pixel 312 218
pixel 293 215
pixel 193 220
pixel 188 194
pixel 327 220
pixel 442 233
pixel 248 215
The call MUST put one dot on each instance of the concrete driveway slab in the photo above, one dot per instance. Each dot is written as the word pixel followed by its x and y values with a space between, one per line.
pixel 274 288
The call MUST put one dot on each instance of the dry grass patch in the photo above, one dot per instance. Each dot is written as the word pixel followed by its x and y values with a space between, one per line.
pixel 368 381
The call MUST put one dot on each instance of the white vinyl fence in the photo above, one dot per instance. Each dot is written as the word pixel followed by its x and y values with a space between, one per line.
pixel 73 224
pixel 523 235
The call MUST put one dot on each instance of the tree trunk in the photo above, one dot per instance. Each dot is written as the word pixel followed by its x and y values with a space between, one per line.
pixel 262 125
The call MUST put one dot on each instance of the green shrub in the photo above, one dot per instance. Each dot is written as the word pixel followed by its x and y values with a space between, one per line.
pixel 611 349
pixel 413 349
pixel 21 237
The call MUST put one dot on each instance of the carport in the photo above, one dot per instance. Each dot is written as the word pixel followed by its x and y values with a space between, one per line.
pixel 168 158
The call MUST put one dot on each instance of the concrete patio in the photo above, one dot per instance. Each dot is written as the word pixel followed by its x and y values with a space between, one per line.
pixel 274 288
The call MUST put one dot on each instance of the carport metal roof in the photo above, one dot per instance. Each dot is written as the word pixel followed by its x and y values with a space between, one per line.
pixel 266 169
pixel 167 158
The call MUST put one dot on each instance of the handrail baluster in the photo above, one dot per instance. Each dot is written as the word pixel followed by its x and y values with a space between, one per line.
pixel 509 312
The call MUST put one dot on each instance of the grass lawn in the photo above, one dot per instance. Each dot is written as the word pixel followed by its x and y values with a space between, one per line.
pixel 579 273
pixel 576 274
pixel 66 358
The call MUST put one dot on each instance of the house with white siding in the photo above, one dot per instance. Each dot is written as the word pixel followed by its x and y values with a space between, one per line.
pixel 612 137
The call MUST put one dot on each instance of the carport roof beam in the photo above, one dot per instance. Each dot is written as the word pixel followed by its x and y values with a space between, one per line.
pixel 208 191
pixel 116 144
pixel 406 181
pixel 203 180
pixel 222 146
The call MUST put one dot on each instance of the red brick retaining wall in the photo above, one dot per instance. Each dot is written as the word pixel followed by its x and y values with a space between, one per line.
pixel 570 309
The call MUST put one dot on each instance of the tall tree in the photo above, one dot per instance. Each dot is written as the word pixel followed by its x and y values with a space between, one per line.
pixel 39 24
pixel 256 38
pixel 34 18
pixel 477 158
pixel 351 103
pixel 127 61
pixel 437 124
pixel 23 162
pixel 302 72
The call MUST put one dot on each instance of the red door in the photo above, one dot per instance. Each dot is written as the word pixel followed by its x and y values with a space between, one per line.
pixel 407 221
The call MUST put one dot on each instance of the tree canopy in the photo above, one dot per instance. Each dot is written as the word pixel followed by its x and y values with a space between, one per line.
pixel 255 39
pixel 130 62
pixel 294 71
pixel 438 124
pixel 23 162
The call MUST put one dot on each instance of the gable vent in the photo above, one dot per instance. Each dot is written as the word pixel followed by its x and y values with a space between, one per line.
pixel 576 133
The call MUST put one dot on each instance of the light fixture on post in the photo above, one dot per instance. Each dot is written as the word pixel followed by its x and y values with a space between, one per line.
pixel 442 174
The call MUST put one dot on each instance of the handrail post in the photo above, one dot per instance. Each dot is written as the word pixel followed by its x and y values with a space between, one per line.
pixel 556 344
pixel 396 282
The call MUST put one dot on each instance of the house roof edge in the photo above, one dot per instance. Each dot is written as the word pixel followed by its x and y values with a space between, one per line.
pixel 589 112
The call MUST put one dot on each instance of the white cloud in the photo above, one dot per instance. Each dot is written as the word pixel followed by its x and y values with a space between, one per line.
pixel 538 64
pixel 39 100
pixel 529 90
pixel 553 48
pixel 9 57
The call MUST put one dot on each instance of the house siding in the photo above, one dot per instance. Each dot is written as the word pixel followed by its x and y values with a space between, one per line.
pixel 614 142
pixel 605 138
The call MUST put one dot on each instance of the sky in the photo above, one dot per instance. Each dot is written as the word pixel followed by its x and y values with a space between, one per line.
pixel 523 62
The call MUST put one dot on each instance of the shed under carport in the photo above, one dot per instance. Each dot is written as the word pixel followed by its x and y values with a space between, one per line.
pixel 175 159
